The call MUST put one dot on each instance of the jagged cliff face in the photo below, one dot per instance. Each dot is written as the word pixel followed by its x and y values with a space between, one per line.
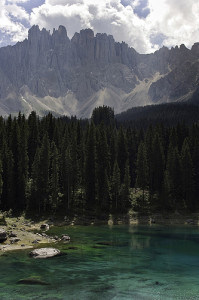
pixel 53 73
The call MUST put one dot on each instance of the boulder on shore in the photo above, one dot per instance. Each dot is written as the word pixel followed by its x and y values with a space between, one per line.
pixel 3 235
pixel 44 227
pixel 44 252
pixel 12 235
pixel 14 240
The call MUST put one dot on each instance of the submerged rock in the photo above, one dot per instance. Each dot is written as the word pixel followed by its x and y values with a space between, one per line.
pixel 72 248
pixel 3 235
pixel 105 243
pixel 32 281
pixel 65 237
pixel 44 252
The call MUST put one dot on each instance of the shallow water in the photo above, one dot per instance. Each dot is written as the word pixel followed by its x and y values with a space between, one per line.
pixel 119 262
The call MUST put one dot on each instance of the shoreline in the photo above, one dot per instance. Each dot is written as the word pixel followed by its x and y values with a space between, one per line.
pixel 24 229
pixel 24 236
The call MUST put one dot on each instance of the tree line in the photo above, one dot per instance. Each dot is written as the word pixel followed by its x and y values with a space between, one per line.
pixel 70 166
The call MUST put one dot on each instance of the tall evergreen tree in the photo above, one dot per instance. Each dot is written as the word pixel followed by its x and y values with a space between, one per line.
pixel 7 198
pixel 122 156
pixel 142 170
pixel 187 175
pixel 54 196
pixel 40 177
pixel 125 190
pixel 115 188
pixel 35 201
pixel 102 170
pixel 23 165
pixel 33 137
pixel 90 167
pixel 174 171
pixel 157 165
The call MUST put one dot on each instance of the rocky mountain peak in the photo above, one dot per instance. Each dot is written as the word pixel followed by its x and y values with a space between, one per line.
pixel 195 49
pixel 72 76
pixel 86 34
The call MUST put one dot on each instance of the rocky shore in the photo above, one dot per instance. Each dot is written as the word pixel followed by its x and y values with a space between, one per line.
pixel 19 233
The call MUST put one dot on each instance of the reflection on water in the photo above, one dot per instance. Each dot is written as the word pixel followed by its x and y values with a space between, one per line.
pixel 118 262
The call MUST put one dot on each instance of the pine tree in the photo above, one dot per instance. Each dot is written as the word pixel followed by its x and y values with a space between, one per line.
pixel 174 171
pixel 22 162
pixel 115 188
pixel 132 150
pixel 103 114
pixel 113 149
pixel 142 170
pixel 35 201
pixel 195 159
pixel 166 193
pixel 157 165
pixel 15 148
pixel 7 198
pixel 54 196
pixel 122 156
pixel 33 137
pixel 187 175
pixel 40 177
pixel 75 172
pixel 102 170
pixel 125 190
pixel 90 168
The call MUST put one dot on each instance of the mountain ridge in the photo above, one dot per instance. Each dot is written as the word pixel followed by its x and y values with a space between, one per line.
pixel 50 72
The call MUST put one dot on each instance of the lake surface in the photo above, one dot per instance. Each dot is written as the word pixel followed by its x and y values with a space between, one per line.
pixel 119 262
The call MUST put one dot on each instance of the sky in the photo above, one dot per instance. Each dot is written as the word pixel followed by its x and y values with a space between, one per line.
pixel 145 25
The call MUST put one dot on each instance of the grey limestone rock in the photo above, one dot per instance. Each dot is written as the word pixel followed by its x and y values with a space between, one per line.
pixel 44 253
pixel 3 235
pixel 50 72
pixel 65 237
pixel 44 227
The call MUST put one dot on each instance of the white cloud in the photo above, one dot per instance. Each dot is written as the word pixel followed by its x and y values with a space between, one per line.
pixel 168 22
pixel 16 1
pixel 11 17
pixel 177 20
pixel 108 16
pixel 16 11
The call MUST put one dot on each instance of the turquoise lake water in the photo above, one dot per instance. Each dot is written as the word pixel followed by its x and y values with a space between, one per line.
pixel 119 262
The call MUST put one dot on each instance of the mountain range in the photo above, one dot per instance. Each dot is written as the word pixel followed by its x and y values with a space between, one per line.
pixel 50 72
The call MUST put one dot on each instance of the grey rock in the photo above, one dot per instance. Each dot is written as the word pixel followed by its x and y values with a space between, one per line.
pixel 12 235
pixel 35 242
pixel 32 281
pixel 190 221
pixel 14 240
pixel 50 72
pixel 44 227
pixel 44 252
pixel 3 235
pixel 65 237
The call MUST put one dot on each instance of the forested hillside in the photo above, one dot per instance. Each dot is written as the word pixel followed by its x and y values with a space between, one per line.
pixel 70 166
pixel 169 114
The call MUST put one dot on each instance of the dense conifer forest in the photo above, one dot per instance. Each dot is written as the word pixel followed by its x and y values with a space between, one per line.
pixel 102 166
